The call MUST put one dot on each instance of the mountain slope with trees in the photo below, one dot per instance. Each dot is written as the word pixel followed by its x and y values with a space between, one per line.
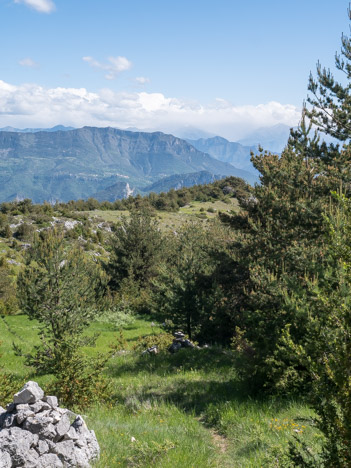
pixel 74 164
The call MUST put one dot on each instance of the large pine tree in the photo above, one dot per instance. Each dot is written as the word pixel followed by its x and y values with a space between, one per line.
pixel 280 241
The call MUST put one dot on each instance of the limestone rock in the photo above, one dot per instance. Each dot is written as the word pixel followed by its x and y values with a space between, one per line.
pixel 50 460
pixel 29 393
pixel 51 400
pixel 5 460
pixel 36 433
pixel 63 426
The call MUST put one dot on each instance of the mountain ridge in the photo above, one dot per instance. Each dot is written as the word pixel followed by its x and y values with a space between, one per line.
pixel 77 163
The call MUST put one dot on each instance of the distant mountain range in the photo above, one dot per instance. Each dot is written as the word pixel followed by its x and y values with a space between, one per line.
pixel 57 128
pixel 270 138
pixel 64 163
pixel 69 164
pixel 227 151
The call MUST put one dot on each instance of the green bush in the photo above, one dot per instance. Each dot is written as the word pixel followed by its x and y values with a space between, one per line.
pixel 9 385
pixel 162 341
pixel 25 232
pixel 118 315
pixel 80 382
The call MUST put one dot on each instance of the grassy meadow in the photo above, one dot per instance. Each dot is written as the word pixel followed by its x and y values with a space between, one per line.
pixel 183 410
pixel 171 220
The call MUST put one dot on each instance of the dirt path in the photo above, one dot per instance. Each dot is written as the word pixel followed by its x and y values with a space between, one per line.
pixel 219 441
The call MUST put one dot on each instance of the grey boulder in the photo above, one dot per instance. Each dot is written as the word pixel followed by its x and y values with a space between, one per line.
pixel 29 393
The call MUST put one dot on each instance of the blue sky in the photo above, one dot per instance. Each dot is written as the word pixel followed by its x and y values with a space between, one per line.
pixel 224 66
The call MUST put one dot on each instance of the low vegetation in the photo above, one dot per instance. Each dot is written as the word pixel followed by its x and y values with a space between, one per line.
pixel 186 409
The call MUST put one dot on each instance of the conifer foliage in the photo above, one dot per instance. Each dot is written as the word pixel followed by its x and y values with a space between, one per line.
pixel 63 290
pixel 324 350
pixel 280 230
pixel 330 99
pixel 136 249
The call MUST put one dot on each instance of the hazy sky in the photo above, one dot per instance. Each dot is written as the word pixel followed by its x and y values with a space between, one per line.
pixel 224 66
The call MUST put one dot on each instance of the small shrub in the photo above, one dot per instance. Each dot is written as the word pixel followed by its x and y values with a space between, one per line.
pixel 9 385
pixel 148 453
pixel 25 232
pixel 80 381
pixel 7 233
pixel 201 215
pixel 118 315
pixel 120 343
pixel 163 341
pixel 41 219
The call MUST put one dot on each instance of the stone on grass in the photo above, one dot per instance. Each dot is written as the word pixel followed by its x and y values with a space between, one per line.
pixel 180 342
pixel 36 433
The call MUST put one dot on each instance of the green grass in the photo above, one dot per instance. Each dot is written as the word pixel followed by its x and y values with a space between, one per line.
pixel 173 220
pixel 183 410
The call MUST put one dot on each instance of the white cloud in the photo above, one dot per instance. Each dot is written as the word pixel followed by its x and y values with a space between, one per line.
pixel 115 66
pixel 31 105
pixel 43 6
pixel 28 62
pixel 142 80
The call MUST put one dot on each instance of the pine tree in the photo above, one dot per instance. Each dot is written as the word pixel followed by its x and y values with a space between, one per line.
pixel 8 300
pixel 280 240
pixel 188 291
pixel 331 100
pixel 136 250
pixel 63 290
pixel 324 306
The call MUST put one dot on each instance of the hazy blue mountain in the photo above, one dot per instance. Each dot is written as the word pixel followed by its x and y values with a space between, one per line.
pixel 57 128
pixel 78 163
pixel 270 138
pixel 227 151
pixel 190 133
pixel 276 138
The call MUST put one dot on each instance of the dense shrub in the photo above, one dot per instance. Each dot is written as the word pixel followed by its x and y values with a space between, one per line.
pixel 80 381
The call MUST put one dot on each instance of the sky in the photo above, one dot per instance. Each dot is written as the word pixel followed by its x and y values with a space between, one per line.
pixel 226 67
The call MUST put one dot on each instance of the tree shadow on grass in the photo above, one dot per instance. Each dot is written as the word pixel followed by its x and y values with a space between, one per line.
pixel 191 379
pixel 195 397
pixel 165 363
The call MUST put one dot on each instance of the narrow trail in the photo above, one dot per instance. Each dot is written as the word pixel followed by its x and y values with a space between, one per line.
pixel 219 441
pixel 221 444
